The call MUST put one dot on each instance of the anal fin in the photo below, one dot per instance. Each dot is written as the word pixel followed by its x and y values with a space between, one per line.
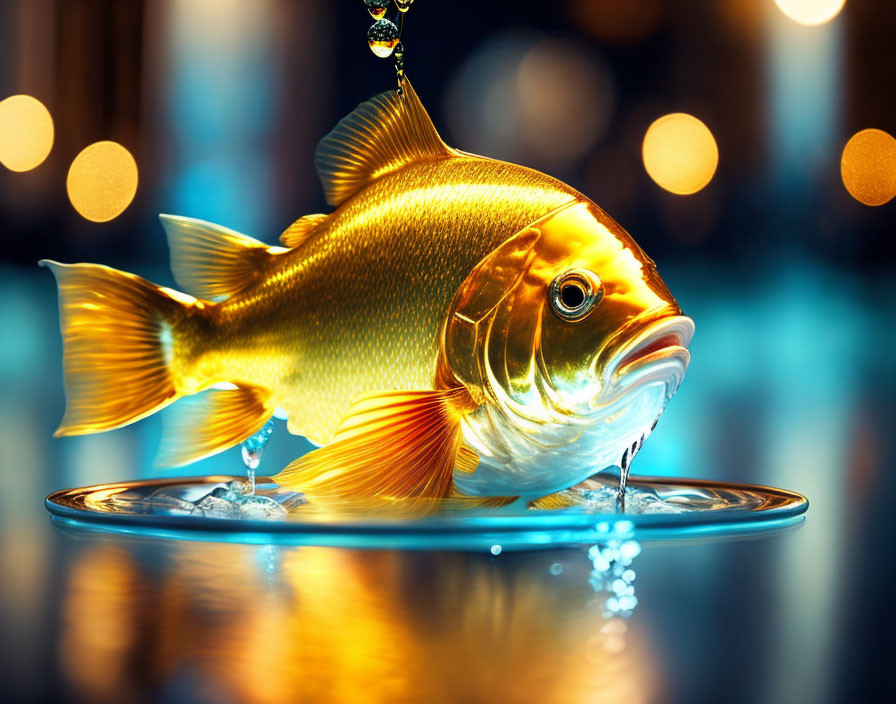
pixel 212 421
pixel 392 444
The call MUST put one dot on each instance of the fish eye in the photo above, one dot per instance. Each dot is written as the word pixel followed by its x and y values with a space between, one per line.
pixel 574 293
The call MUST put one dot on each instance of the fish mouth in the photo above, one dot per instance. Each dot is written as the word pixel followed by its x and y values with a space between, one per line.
pixel 665 340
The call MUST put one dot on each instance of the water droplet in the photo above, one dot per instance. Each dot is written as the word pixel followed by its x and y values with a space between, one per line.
pixel 383 38
pixel 377 8
pixel 495 550
pixel 252 450
pixel 404 5
pixel 556 569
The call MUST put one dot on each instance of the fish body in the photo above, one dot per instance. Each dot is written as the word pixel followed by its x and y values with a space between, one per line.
pixel 455 324
pixel 359 306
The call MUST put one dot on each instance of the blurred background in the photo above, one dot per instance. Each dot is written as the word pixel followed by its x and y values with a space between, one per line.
pixel 728 137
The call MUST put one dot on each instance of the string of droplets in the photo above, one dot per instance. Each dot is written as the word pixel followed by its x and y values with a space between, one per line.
pixel 384 36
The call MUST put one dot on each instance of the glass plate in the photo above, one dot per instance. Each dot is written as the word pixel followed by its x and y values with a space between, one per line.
pixel 218 508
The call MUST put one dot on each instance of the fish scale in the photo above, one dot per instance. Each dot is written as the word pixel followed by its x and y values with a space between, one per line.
pixel 360 305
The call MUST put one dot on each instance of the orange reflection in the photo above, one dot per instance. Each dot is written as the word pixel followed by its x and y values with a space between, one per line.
pixel 265 624
pixel 100 616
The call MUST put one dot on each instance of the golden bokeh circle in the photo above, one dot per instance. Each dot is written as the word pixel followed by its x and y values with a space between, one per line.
pixel 102 181
pixel 868 167
pixel 680 153
pixel 26 132
pixel 811 12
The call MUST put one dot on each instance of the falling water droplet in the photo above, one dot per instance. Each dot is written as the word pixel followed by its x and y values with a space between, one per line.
pixel 377 8
pixel 383 38
pixel 623 480
pixel 252 449
pixel 613 575
pixel 404 5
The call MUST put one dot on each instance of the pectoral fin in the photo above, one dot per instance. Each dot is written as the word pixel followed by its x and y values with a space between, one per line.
pixel 210 422
pixel 392 444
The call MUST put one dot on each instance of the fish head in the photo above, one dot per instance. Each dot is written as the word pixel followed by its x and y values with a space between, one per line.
pixel 573 346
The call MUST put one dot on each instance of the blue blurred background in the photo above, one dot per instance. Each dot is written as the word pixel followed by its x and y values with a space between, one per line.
pixel 790 282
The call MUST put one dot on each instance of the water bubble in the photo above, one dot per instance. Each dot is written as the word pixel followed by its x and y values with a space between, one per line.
pixel 495 550
pixel 383 38
pixel 556 569
pixel 629 575
pixel 377 8
pixel 624 527
pixel 630 549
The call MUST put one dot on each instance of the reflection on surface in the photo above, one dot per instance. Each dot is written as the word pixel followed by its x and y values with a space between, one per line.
pixel 216 622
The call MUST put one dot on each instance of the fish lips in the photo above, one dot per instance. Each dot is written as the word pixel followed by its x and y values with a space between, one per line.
pixel 656 352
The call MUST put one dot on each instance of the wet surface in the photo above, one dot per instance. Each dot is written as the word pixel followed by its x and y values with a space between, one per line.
pixel 144 620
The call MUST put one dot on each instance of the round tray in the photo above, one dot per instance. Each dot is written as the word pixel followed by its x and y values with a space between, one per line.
pixel 681 508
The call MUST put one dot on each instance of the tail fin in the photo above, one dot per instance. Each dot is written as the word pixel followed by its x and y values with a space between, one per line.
pixel 116 333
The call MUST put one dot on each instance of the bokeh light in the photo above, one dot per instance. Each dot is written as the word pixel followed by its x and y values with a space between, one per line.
pixel 811 12
pixel 542 102
pixel 102 181
pixel 616 22
pixel 868 167
pixel 680 153
pixel 26 132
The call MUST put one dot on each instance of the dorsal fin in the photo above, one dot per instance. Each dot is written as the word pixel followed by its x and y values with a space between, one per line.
pixel 299 231
pixel 381 135
pixel 210 261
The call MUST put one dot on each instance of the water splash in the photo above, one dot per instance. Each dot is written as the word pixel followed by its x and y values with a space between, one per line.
pixel 238 499
pixel 252 449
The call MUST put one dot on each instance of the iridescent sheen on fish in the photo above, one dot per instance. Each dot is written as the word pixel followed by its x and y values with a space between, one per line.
pixel 412 333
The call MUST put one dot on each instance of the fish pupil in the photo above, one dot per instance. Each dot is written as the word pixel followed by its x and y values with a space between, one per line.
pixel 572 296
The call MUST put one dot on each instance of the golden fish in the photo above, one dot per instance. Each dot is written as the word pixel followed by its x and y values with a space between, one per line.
pixel 455 322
